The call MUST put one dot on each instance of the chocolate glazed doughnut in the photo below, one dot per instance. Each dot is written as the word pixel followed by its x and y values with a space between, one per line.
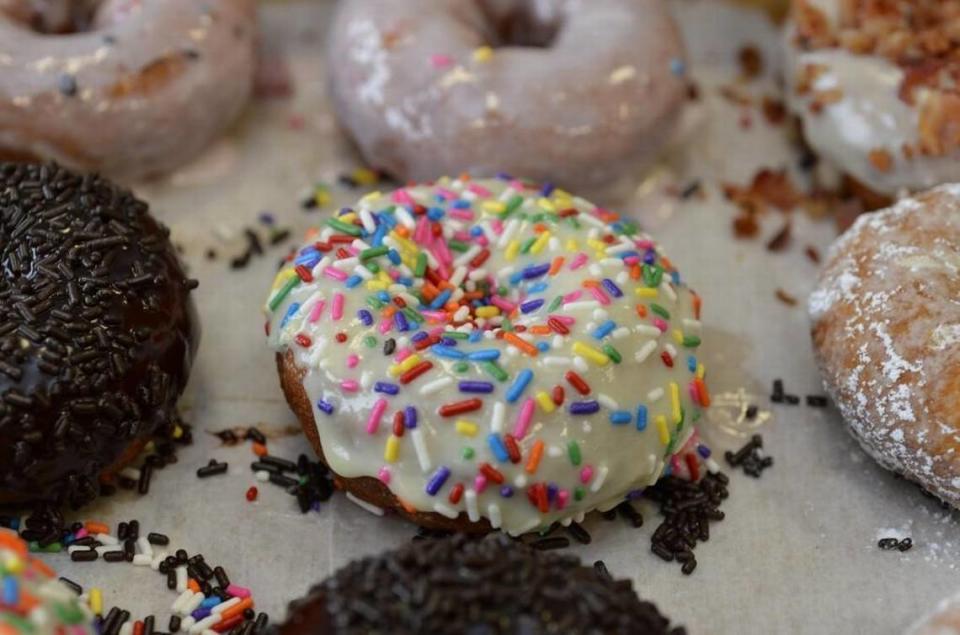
pixel 573 92
pixel 133 89
pixel 97 331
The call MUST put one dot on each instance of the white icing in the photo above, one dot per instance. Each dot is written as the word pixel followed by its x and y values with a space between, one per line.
pixel 614 458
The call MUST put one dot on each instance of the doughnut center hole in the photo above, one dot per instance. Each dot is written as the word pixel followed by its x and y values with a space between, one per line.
pixel 521 23
pixel 53 17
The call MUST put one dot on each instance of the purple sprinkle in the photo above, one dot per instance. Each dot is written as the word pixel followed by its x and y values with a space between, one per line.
pixel 365 316
pixel 634 494
pixel 386 387
pixel 584 407
pixel 612 288
pixel 437 480
pixel 552 490
pixel 199 614
pixel 650 257
pixel 400 320
pixel 448 341
pixel 704 451
pixel 506 491
pixel 410 417
pixel 325 406
pixel 476 386
pixel 547 189
pixel 267 218
pixel 535 271
pixel 532 305
pixel 419 335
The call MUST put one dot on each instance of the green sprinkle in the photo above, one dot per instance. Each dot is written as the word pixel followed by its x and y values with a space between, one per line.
pixel 370 341
pixel 458 246
pixel 467 453
pixel 527 244
pixel 374 302
pixel 372 267
pixel 659 310
pixel 457 335
pixel 555 304
pixel 652 275
pixel 573 451
pixel 346 228
pixel 507 325
pixel 374 252
pixel 20 625
pixel 579 493
pixel 421 266
pixel 512 205
pixel 494 369
pixel 628 229
pixel 691 341
pixel 612 353
pixel 461 367
pixel 503 290
pixel 68 614
pixel 283 292
pixel 413 315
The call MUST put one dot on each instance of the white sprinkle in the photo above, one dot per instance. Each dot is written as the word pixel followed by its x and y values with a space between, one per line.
pixel 461 314
pixel 445 510
pixel 435 386
pixel 181 579
pixel 363 272
pixel 644 351
pixel 599 314
pixel 505 272
pixel 580 364
pixel 420 446
pixel 223 606
pixel 362 504
pixel 106 539
pixel 186 623
pixel 493 513
pixel 593 220
pixel 600 479
pixel 671 349
pixel 646 329
pixel 366 379
pixel 520 480
pixel 595 270
pixel 655 395
pixel 359 245
pixel 75 548
pixel 619 249
pixel 508 231
pixel 345 263
pixel 262 475
pixel 612 262
pixel 405 217
pixel 712 466
pixel 458 276
pixel 607 401
pixel 127 628
pixel 692 326
pixel 553 244
pixel 554 360
pixel 467 256
pixel 477 274
pixel 157 560
pixel 586 305
pixel 367 219
pixel 622 278
pixel 496 419
pixel 473 513
pixel 554 451
pixel 192 604
pixel 130 473
pixel 620 333
pixel 668 291
pixel 205 623
pixel 181 600
pixel 144 545
pixel 142 560
pixel 431 259
pixel 557 341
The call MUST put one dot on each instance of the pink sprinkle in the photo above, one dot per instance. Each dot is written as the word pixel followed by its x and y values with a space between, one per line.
pixel 601 297
pixel 517 185
pixel 352 360
pixel 497 226
pixel 522 426
pixel 482 240
pixel 438 331
pixel 441 61
pixel 586 474
pixel 461 235
pixel 334 273
pixel 480 483
pixel 385 326
pixel 376 413
pixel 403 197
pixel 694 393
pixel 578 261
pixel 238 591
pixel 660 324
pixel 572 296
pixel 562 497
pixel 384 475
pixel 336 311
pixel 675 466
pixel 81 533
pixel 563 319
pixel 435 316
pixel 442 252
pixel 631 260
pixel 461 214
pixel 445 193
pixel 644 244
pixel 316 311
pixel 402 354
pixel 349 385
pixel 502 303
pixel 479 190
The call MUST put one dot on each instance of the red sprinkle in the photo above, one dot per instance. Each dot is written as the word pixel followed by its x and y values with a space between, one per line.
pixel 513 448
pixel 458 407
pixel 304 273
pixel 415 372
pixel 558 326
pixel 456 493
pixel 491 473
pixel 693 465
pixel 425 342
pixel 665 356
pixel 342 253
pixel 398 426
pixel 303 340
pixel 577 382
pixel 341 239
pixel 558 395
pixel 341 337
pixel 252 494
pixel 480 258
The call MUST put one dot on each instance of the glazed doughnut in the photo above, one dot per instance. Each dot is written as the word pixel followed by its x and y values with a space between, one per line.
pixel 503 586
pixel 566 91
pixel 97 332
pixel 886 332
pixel 478 354
pixel 871 84
pixel 42 604
pixel 140 93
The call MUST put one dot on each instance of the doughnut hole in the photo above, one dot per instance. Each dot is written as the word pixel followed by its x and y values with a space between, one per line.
pixel 52 17
pixel 521 23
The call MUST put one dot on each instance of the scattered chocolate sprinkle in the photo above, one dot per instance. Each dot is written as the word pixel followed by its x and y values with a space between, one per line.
pixel 889 544
pixel 781 239
pixel 817 401
pixel 785 297
pixel 774 110
pixel 212 469
pixel 750 457
pixel 751 61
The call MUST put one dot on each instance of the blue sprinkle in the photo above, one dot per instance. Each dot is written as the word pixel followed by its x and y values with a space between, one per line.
pixel 498 449
pixel 503 176
pixel 476 231
pixel 677 66
pixel 383 296
pixel 476 386
pixel 201 613
pixel 704 451
pixel 611 288
pixel 506 491
pixel 547 189
pixel 400 321
pixel 484 355
pixel 448 341
pixel 378 235
pixel 437 480
pixel 538 287
pixel 419 335
pixel 266 218
pixel 668 469
pixel 405 281
pixel 410 417
pixel 515 277
pixel 365 316
pixel 386 387
pixel 675 276
pixel 446 351
pixel 543 347
pixel 650 257
pixel 435 213
pixel 309 259
pixel 584 407
pixel 460 204
pixel 11 591
pixel 325 406
pixel 210 602
pixel 552 490
pixel 641 417
pixel 441 299
pixel 531 305
pixel 394 257
pixel 291 311
pixel 692 363
pixel 519 384
pixel 620 417
pixel 475 336
pixel 535 271
pixel 604 329
pixel 352 281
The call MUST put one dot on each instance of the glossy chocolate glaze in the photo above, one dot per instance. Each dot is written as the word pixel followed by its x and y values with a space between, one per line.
pixel 97 330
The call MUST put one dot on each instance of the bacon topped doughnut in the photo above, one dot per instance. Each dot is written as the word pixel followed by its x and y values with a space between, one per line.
pixel 567 91
pixel 136 89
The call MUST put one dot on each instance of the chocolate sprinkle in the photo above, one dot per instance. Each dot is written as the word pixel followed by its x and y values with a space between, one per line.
pixel 463 585
pixel 96 331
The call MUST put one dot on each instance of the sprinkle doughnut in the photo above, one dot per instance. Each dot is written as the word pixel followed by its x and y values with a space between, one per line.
pixel 144 89
pixel 33 600
pixel 97 332
pixel 511 588
pixel 872 84
pixel 886 332
pixel 569 91
pixel 477 354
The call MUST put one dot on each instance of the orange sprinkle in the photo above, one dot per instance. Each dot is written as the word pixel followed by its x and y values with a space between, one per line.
pixel 389 310
pixel 521 343
pixel 665 262
pixel 540 329
pixel 697 302
pixel 94 527
pixel 259 449
pixel 641 310
pixel 536 453
pixel 635 272
pixel 539 228
pixel 402 231
pixel 28 602
pixel 407 507
pixel 702 391
pixel 138 628
pixel 42 567
pixel 193 586
pixel 589 283
pixel 246 603
pixel 556 265
pixel 472 295
pixel 9 540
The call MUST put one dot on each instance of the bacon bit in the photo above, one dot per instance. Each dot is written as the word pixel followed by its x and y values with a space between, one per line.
pixel 781 239
pixel 880 159
pixel 745 226
pixel 751 62
pixel 785 297
pixel 769 188
pixel 774 111
pixel 734 96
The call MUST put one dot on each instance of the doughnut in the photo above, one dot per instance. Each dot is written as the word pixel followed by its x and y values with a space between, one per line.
pixel 577 93
pixel 871 83
pixel 138 93
pixel 97 332
pixel 462 585
pixel 944 620
pixel 480 354
pixel 33 600
pixel 886 333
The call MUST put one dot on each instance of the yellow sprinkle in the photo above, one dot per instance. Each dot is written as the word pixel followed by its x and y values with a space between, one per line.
pixel 372 196
pixel 322 197
pixel 588 352
pixel 494 207
pixel 546 403
pixel 572 245
pixel 387 280
pixel 482 54
pixel 348 218
pixel 487 311
pixel 398 369
pixel 177 431
pixel 546 205
pixel 282 277
pixel 392 450
pixel 512 250
pixel 599 245
pixel 364 176
pixel 540 243
pixel 646 292
pixel 678 336
pixel 675 402
pixel 96 601
pixel 376 285
pixel 701 371
pixel 466 428
pixel 13 564
pixel 661 422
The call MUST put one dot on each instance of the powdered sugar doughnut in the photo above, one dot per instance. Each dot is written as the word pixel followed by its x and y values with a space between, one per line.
pixel 571 91
pixel 886 331
pixel 139 90
pixel 480 354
